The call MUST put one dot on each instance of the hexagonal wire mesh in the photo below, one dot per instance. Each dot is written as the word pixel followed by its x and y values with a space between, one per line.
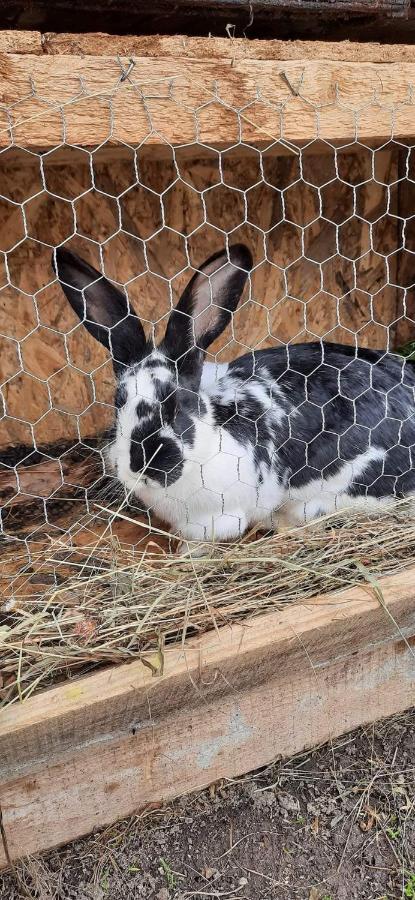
pixel 286 242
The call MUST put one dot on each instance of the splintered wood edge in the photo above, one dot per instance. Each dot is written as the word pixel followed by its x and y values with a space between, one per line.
pixel 119 699
pixel 99 43
pixel 88 753
pixel 226 48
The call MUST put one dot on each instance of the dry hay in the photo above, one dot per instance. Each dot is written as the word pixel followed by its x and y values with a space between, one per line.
pixel 71 609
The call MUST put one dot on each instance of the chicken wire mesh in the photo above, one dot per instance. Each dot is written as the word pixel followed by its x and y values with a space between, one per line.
pixel 307 241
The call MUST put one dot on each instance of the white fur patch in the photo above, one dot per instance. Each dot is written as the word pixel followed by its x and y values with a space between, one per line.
pixel 211 374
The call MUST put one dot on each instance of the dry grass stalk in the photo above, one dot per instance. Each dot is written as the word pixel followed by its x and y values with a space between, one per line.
pixel 69 609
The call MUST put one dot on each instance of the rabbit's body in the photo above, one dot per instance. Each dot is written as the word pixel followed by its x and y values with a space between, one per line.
pixel 252 449
pixel 277 435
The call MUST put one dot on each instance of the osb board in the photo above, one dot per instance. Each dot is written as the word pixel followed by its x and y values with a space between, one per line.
pixel 304 286
pixel 82 755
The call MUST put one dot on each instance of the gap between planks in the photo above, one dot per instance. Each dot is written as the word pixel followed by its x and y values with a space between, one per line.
pixel 86 753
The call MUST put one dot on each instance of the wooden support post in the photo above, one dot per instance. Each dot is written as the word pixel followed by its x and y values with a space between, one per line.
pixel 89 752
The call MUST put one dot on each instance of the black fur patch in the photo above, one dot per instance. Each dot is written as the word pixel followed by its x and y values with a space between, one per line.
pixel 306 422
pixel 143 408
pixel 339 414
pixel 336 403
pixel 184 427
pixel 261 456
pixel 121 396
pixel 354 441
pixel 379 485
pixel 166 463
pixel 370 408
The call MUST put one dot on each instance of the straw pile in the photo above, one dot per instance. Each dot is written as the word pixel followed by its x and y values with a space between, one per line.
pixel 73 609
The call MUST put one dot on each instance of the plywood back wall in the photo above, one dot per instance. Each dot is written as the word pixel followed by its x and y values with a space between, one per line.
pixel 313 281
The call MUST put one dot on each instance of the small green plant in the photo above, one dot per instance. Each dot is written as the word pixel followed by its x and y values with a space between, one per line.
pixel 168 872
pixel 300 819
pixel 394 833
pixel 409 889
pixel 393 830
pixel 105 880
pixel 407 350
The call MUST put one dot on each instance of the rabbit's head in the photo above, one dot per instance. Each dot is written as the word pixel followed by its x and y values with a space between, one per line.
pixel 157 395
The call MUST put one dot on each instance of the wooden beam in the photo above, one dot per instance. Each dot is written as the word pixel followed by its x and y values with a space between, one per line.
pixel 88 752
pixel 21 42
pixel 184 46
pixel 83 101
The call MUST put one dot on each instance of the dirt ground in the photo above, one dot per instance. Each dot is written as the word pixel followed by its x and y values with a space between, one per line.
pixel 337 823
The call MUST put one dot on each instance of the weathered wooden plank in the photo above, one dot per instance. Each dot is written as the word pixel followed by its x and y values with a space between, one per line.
pixel 325 629
pixel 89 752
pixel 83 101
pixel 21 42
pixel 184 46
pixel 193 748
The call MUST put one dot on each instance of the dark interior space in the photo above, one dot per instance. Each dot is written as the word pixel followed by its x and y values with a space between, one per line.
pixel 362 20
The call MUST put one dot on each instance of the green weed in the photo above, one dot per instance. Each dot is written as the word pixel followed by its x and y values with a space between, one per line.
pixel 409 889
pixel 169 874
pixel 105 880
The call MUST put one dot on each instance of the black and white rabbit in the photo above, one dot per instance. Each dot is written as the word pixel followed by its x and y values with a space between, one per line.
pixel 273 437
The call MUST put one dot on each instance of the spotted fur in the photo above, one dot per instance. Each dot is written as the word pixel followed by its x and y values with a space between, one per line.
pixel 277 435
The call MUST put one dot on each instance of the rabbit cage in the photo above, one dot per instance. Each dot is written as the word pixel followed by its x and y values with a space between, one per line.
pixel 145 164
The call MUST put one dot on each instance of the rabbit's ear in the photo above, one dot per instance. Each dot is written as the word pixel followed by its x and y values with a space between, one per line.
pixel 102 308
pixel 207 303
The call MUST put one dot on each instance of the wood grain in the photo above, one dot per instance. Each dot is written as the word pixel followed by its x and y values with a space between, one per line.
pixel 83 100
pixel 17 41
pixel 185 46
pixel 83 754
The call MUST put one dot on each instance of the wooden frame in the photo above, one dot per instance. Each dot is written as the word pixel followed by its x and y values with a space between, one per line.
pixel 72 87
pixel 90 751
